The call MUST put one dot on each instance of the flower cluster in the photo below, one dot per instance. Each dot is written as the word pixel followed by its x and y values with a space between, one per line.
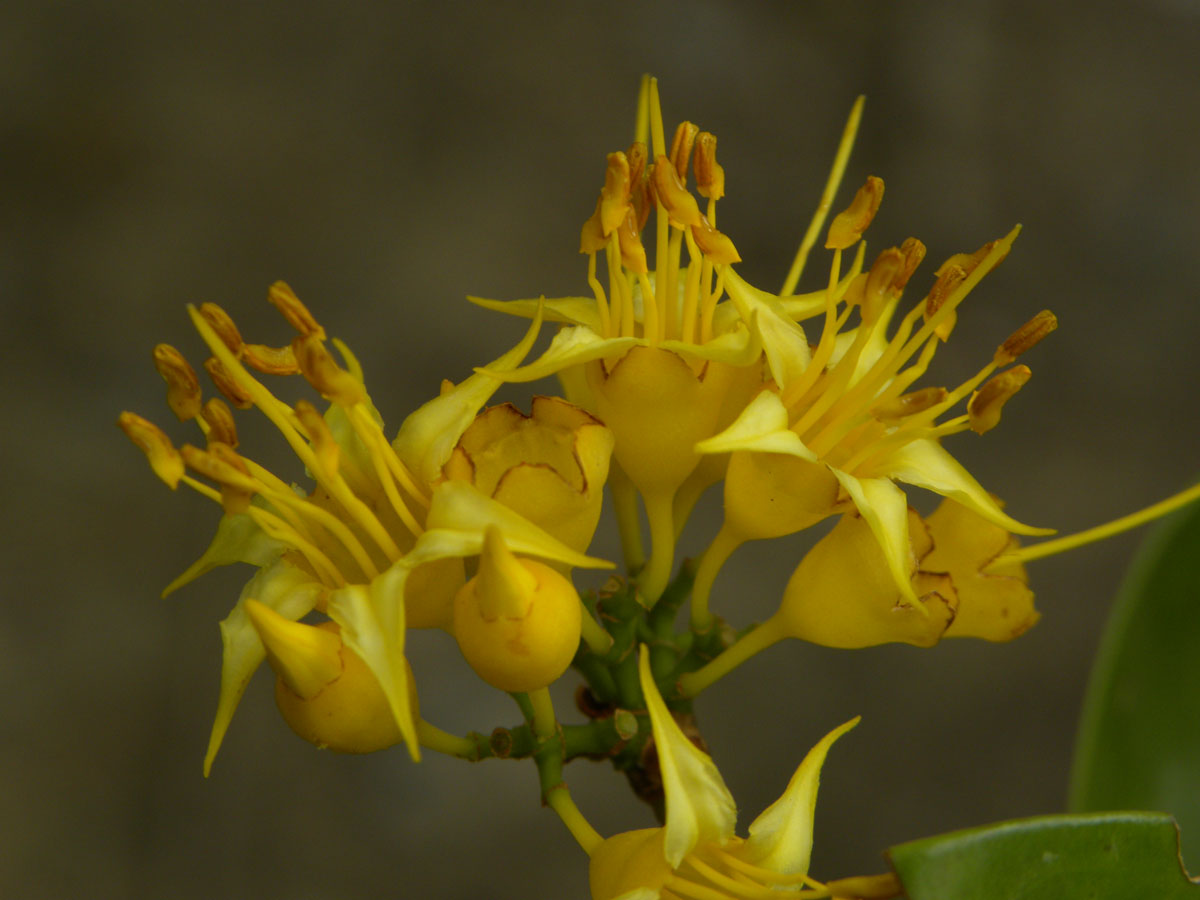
pixel 678 377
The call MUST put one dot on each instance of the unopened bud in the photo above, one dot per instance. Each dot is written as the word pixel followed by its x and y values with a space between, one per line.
pixel 226 384
pixel 614 196
pixel 848 225
pixel 284 299
pixel 910 403
pixel 710 176
pixel 633 254
pixel 164 459
pixel 271 360
pixel 673 194
pixel 714 244
pixel 681 148
pixel 316 429
pixel 183 388
pixel 323 373
pixel 1025 337
pixel 219 418
pixel 223 325
pixel 983 411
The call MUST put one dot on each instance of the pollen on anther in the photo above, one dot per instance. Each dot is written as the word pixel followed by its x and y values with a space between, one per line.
pixel 183 387
pixel 1026 337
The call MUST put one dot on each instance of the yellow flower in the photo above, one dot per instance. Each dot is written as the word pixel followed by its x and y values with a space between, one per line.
pixel 340 547
pixel 549 466
pixel 696 853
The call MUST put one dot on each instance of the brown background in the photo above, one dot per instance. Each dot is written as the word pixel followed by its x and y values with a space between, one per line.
pixel 387 160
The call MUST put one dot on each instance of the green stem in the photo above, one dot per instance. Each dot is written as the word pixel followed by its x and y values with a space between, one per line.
pixel 559 800
pixel 472 747
pixel 545 725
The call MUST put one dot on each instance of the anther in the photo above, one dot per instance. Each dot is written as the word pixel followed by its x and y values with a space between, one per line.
pixel 639 194
pixel 681 148
pixel 848 225
pixel 910 403
pixel 271 360
pixel 673 194
pixel 881 279
pixel 284 299
pixel 225 383
pixel 710 175
pixel 633 254
pixel 1025 337
pixel 183 388
pixel 950 276
pixel 221 464
pixel 914 253
pixel 591 236
pixel 164 459
pixel 968 261
pixel 221 426
pixel 223 325
pixel 984 408
pixel 316 429
pixel 714 244
pixel 614 196
pixel 323 373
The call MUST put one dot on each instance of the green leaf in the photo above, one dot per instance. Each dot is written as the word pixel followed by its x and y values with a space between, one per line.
pixel 1139 741
pixel 1097 856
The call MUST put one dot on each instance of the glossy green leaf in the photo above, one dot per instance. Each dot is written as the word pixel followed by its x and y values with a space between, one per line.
pixel 1139 741
pixel 1097 856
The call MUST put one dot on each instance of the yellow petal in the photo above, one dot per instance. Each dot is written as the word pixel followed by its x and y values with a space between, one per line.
pixel 885 509
pixel 781 838
pixel 763 427
pixel 570 347
pixel 926 464
pixel 568 310
pixel 699 805
pixel 238 539
pixel 783 341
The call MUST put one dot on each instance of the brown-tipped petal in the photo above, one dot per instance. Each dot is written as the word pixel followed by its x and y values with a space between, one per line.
pixel 949 278
pixel 1025 337
pixel 271 360
pixel 673 194
pixel 633 254
pixel 848 225
pixel 710 175
pixel 284 299
pixel 984 408
pixel 317 430
pixel 221 426
pixel 224 382
pixel 910 403
pixel 681 148
pixel 591 236
pixel 715 245
pixel 914 253
pixel 183 388
pixel 223 325
pixel 323 373
pixel 880 282
pixel 306 658
pixel 164 459
pixel 614 196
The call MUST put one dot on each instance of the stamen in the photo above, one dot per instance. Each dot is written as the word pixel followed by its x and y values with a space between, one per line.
pixel 673 194
pixel 219 419
pixel 390 471
pixel 164 459
pixel 601 298
pixel 223 325
pixel 716 246
pixel 276 528
pixel 986 404
pixel 317 431
pixel 1026 337
pixel 848 226
pixel 681 147
pixel 183 387
pixel 633 254
pixel 641 126
pixel 656 121
pixel 908 404
pixel 881 281
pixel 748 891
pixel 690 889
pixel 591 236
pixel 949 278
pixel 614 196
pixel 320 369
pixel 758 873
pixel 222 464
pixel 284 299
pixel 271 360
pixel 226 384
pixel 710 175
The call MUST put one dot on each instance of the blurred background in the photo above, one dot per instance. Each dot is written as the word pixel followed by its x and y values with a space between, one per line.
pixel 386 160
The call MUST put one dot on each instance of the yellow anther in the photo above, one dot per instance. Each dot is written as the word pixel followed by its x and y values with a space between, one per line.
pixel 222 324
pixel 271 360
pixel 848 225
pixel 222 464
pixel 183 388
pixel 505 586
pixel 950 276
pixel 914 253
pixel 323 373
pixel 226 384
pixel 968 261
pixel 639 194
pixel 710 175
pixel 284 299
pixel 681 148
pixel 305 657
pixel 984 408
pixel 673 194
pixel 910 403
pixel 714 244
pixel 219 418
pixel 633 254
pixel 1025 337
pixel 614 196
pixel 591 236
pixel 164 459
pixel 881 281
pixel 315 428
